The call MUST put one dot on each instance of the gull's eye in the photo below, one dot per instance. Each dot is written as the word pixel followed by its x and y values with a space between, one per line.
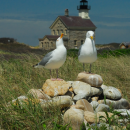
pixel 57 40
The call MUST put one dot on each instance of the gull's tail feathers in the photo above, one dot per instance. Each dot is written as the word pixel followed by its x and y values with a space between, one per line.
pixel 38 66
pixel 35 66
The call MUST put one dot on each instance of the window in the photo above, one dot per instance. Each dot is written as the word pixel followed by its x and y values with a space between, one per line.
pixel 81 42
pixel 57 32
pixel 75 42
pixel 48 44
pixel 53 32
pixel 65 32
pixel 51 44
pixel 58 25
pixel 61 31
pixel 42 44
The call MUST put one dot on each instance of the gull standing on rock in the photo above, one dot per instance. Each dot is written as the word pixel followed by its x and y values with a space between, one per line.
pixel 54 59
pixel 88 52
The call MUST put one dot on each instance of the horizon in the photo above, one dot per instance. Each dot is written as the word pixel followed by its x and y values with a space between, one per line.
pixel 27 21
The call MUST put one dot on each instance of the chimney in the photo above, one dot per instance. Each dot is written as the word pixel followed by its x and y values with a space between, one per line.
pixel 66 12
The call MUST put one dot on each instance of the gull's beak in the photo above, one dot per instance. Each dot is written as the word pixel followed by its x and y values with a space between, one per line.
pixel 91 37
pixel 61 35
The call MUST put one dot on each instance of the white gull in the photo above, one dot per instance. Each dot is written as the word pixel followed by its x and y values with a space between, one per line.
pixel 87 52
pixel 54 59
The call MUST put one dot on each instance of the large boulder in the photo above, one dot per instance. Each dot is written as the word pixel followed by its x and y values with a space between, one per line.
pixel 75 117
pixel 81 89
pixel 117 104
pixel 92 79
pixel 112 93
pixel 38 93
pixel 55 88
pixel 86 104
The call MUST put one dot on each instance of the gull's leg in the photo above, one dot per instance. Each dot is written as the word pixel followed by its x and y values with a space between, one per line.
pixel 90 68
pixel 57 76
pixel 51 76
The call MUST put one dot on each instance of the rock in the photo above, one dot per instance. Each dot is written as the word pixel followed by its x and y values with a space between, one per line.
pixel 75 117
pixel 102 108
pixel 69 93
pixel 104 119
pixel 38 93
pixel 81 89
pixel 103 86
pixel 78 107
pixel 119 104
pixel 92 79
pixel 23 100
pixel 55 88
pixel 102 125
pixel 71 89
pixel 70 83
pixel 112 93
pixel 94 104
pixel 124 112
pixel 59 101
pixel 90 117
pixel 86 104
pixel 94 98
pixel 93 118
pixel 96 91
pixel 120 91
pixel 106 126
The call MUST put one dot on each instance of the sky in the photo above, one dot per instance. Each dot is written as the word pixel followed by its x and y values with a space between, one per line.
pixel 29 20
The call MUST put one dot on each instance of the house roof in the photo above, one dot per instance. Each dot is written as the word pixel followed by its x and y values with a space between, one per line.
pixel 75 22
pixel 52 37
pixel 125 43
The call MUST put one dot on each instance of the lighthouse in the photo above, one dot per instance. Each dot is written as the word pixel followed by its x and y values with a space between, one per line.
pixel 84 9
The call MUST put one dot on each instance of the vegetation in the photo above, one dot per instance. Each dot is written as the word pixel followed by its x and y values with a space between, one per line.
pixel 17 77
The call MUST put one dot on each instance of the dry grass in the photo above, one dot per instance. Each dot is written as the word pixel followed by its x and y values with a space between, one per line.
pixel 17 76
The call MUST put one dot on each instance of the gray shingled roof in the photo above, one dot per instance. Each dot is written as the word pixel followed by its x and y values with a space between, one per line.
pixel 126 43
pixel 77 22
pixel 53 37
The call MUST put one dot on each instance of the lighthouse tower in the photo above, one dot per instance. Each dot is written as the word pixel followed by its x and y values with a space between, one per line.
pixel 84 9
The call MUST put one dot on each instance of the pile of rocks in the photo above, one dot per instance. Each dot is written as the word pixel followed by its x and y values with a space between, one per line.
pixel 83 98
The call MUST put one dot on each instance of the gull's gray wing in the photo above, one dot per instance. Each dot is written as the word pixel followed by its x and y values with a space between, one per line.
pixel 79 50
pixel 46 58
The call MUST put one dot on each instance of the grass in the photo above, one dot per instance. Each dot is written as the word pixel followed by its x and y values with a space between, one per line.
pixel 17 77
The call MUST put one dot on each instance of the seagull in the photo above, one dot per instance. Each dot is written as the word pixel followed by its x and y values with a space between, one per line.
pixel 87 52
pixel 54 59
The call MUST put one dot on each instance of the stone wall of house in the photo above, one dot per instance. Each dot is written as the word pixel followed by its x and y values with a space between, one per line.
pixel 47 44
pixel 59 28
pixel 76 35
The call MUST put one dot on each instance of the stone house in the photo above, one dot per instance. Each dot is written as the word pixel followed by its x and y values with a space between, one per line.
pixel 124 45
pixel 73 27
